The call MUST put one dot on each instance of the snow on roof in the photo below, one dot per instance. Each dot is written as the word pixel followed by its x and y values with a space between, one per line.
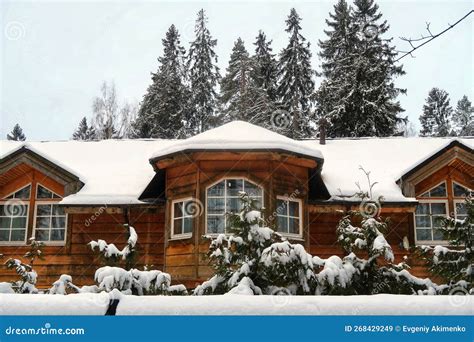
pixel 118 171
pixel 239 135
pixel 387 159
pixel 113 171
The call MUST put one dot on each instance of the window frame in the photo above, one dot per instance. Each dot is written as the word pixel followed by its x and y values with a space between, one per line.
pixel 5 198
pixel 298 236
pixel 181 236
pixel 207 233
pixel 27 204
pixel 430 200
pixel 457 200
pixel 49 242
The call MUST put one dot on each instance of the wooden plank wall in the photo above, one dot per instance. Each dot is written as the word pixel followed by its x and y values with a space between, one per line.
pixel 76 257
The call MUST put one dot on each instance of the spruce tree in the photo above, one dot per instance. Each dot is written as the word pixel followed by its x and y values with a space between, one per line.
pixel 203 76
pixel 463 117
pixel 16 134
pixel 84 131
pixel 358 95
pixel 265 68
pixel 455 263
pixel 296 83
pixel 437 112
pixel 241 97
pixel 165 107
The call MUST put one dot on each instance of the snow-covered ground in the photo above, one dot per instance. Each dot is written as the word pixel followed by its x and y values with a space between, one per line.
pixel 96 304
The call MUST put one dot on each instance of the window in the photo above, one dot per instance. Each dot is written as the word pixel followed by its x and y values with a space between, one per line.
pixel 223 197
pixel 50 218
pixel 182 218
pixel 14 216
pixel 460 191
pixel 460 210
pixel 437 191
pixel 13 221
pixel 23 193
pixel 428 219
pixel 289 216
pixel 42 192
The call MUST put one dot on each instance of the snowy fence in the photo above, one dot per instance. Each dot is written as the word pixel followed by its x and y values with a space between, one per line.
pixel 115 303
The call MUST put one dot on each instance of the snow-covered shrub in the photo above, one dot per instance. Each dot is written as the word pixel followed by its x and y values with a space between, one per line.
pixel 28 276
pixel 455 264
pixel 256 259
pixel 148 282
pixel 112 255
pixel 336 275
pixel 372 256
pixel 63 286
pixel 6 288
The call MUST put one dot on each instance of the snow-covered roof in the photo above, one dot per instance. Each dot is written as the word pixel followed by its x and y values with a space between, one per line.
pixel 118 171
pixel 387 159
pixel 239 135
pixel 113 171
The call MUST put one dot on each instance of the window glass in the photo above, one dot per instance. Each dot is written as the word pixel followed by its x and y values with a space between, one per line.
pixel 182 217
pixel 438 191
pixel 23 193
pixel 288 216
pixel 459 190
pixel 42 192
pixel 13 221
pixel 50 222
pixel 224 197
pixel 428 217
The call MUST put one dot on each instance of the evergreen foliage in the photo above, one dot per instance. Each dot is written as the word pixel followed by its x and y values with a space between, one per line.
pixel 437 112
pixel 84 131
pixel 463 117
pixel 16 134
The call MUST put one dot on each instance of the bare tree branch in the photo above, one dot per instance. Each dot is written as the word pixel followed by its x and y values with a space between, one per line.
pixel 427 39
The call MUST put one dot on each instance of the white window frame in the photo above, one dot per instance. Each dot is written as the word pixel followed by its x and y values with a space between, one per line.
pixel 225 201
pixel 27 204
pixel 49 242
pixel 287 216
pixel 183 235
pixel 433 187
pixel 429 201
pixel 456 201
pixel 45 199
pixel 19 199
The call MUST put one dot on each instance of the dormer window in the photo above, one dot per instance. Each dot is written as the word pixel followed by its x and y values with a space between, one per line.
pixel 223 197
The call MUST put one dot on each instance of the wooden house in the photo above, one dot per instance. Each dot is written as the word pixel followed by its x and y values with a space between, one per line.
pixel 175 192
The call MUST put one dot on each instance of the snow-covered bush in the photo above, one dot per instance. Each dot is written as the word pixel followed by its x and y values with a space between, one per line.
pixel 28 276
pixel 336 275
pixel 63 286
pixel 147 282
pixel 456 263
pixel 112 255
pixel 255 259
pixel 371 255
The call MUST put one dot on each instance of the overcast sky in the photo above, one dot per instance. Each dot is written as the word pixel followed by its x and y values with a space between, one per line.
pixel 54 55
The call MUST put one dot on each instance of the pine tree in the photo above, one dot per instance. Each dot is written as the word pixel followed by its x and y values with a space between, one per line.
pixel 463 117
pixel 455 264
pixel 204 77
pixel 358 95
pixel 83 131
pixel 265 68
pixel 296 83
pixel 165 106
pixel 16 134
pixel 437 112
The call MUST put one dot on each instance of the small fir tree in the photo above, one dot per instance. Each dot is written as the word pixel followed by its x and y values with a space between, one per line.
pixel 455 263
pixel 463 117
pixel 16 134
pixel 84 131
pixel 436 118
pixel 256 260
